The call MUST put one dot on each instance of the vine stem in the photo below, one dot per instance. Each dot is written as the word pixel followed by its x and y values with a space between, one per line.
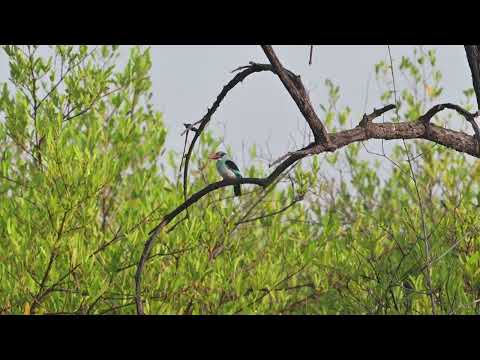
pixel 420 204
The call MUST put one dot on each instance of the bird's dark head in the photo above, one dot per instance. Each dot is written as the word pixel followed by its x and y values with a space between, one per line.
pixel 217 155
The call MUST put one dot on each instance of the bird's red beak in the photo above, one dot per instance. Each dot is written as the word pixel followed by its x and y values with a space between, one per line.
pixel 213 157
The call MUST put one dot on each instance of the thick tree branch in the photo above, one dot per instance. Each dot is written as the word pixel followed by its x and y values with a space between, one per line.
pixel 473 57
pixel 299 94
pixel 468 116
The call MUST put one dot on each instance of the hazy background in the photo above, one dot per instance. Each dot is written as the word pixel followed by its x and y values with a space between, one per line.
pixel 187 79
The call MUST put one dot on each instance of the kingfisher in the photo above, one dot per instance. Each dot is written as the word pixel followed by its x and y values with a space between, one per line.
pixel 227 169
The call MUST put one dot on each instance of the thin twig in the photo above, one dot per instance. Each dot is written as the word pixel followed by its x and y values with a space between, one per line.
pixel 422 215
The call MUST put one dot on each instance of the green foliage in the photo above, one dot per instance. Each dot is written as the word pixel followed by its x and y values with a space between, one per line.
pixel 85 176
pixel 78 170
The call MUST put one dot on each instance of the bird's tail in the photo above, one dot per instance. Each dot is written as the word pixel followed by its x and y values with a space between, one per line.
pixel 237 190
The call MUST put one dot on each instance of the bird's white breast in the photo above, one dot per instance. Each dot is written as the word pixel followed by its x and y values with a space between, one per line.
pixel 225 172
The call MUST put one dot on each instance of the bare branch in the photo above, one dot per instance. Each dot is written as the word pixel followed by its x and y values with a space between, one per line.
pixel 376 113
pixel 470 117
pixel 246 71
pixel 299 95
pixel 473 57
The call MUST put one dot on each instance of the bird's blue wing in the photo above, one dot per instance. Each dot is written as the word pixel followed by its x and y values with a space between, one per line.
pixel 232 166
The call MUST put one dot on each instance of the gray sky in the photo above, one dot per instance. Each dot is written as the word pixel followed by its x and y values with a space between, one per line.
pixel 187 79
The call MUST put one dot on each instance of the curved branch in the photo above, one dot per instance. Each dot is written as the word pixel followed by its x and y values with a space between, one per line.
pixel 419 129
pixel 264 182
pixel 246 71
pixel 470 117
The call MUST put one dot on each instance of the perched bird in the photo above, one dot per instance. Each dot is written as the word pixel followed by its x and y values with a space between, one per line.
pixel 227 169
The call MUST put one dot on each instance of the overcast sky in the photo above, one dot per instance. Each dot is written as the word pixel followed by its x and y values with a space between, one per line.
pixel 187 79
